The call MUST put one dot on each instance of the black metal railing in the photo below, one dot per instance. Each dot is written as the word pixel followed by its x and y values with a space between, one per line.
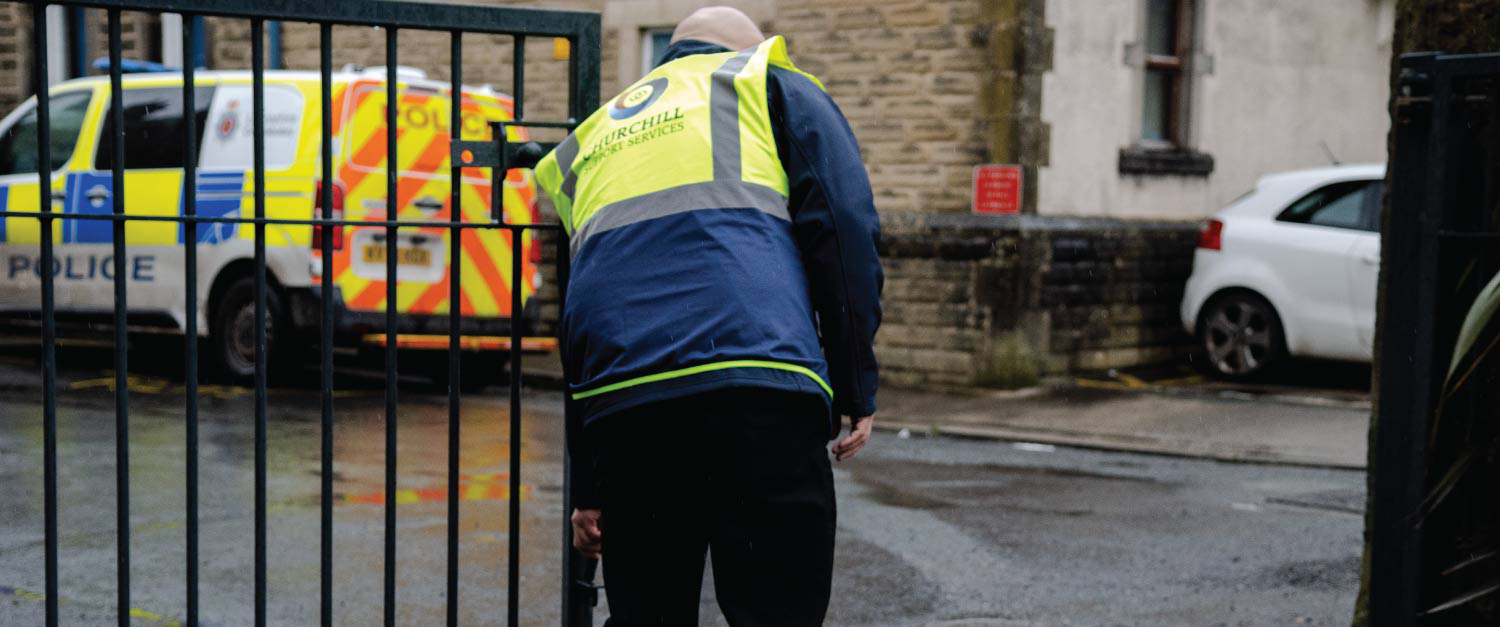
pixel 580 29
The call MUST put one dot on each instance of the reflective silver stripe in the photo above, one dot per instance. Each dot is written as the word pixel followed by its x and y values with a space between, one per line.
pixel 724 106
pixel 566 152
pixel 682 199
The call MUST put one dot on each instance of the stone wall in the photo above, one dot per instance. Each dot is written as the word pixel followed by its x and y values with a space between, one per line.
pixel 140 38
pixel 487 59
pixel 908 77
pixel 999 301
pixel 15 54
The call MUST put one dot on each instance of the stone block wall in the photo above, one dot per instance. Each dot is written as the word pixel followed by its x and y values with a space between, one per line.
pixel 140 37
pixel 15 54
pixel 908 75
pixel 487 59
pixel 1000 301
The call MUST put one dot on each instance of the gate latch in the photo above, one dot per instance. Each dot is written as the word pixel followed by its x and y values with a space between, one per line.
pixel 500 152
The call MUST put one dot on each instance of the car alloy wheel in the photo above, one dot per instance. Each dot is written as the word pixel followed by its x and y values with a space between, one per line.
pixel 1241 335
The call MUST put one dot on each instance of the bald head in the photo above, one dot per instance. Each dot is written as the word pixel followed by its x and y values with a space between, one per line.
pixel 725 26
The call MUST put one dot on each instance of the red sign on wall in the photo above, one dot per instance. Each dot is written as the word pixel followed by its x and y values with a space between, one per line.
pixel 997 188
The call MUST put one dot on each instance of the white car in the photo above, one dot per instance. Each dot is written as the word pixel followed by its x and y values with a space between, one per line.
pixel 1289 269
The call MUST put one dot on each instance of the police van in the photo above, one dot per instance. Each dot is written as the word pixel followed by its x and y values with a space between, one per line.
pixel 83 264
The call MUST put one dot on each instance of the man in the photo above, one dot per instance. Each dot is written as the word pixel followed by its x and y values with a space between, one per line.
pixel 723 300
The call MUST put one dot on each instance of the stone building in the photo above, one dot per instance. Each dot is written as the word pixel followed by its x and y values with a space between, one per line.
pixel 1131 119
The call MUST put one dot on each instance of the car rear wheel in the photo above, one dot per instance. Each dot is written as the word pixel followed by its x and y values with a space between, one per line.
pixel 1241 335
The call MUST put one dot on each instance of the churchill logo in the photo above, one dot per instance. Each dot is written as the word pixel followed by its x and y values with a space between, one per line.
pixel 636 100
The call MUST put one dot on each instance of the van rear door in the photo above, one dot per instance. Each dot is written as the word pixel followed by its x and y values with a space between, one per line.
pixel 422 194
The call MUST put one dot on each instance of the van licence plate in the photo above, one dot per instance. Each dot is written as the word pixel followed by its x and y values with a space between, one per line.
pixel 405 256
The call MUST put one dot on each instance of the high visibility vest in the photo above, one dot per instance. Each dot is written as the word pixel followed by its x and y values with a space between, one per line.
pixel 693 135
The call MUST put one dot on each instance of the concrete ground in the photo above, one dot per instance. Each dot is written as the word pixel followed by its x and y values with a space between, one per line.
pixel 1206 426
pixel 934 530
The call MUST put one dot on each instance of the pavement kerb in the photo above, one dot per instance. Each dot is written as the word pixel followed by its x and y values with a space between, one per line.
pixel 1099 442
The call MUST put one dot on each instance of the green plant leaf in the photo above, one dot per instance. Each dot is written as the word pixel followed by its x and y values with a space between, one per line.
pixel 1483 590
pixel 1479 316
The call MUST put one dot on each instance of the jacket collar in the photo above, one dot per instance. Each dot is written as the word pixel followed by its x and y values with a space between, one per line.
pixel 686 48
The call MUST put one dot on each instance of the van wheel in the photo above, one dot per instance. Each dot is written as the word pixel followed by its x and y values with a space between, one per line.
pixel 1241 335
pixel 482 369
pixel 232 331
pixel 478 370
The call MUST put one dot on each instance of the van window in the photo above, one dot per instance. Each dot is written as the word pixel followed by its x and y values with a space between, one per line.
pixel 230 144
pixel 153 128
pixel 18 143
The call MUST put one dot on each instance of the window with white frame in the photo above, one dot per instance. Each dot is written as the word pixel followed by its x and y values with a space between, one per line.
pixel 1168 50
pixel 1165 55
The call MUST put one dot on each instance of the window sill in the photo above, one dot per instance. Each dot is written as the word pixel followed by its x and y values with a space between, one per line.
pixel 1165 161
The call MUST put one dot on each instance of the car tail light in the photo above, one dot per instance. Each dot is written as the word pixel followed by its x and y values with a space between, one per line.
pixel 336 214
pixel 1211 237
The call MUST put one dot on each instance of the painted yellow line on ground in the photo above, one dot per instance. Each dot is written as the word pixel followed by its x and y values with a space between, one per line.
pixel 162 619
pixel 412 496
pixel 152 618
pixel 1188 380
pixel 1102 385
pixel 1131 381
pixel 135 383
pixel 142 384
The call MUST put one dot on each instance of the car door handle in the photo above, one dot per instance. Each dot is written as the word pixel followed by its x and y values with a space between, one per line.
pixel 59 197
pixel 97 195
pixel 1370 261
pixel 428 203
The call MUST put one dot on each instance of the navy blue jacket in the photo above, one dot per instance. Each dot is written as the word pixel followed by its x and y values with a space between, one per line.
pixel 834 230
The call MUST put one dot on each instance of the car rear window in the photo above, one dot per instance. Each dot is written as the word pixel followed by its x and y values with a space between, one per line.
pixel 1345 205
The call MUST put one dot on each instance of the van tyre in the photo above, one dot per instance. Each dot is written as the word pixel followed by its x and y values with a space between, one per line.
pixel 1240 336
pixel 232 333
pixel 477 371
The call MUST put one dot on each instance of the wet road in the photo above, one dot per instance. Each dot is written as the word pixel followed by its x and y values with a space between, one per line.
pixel 933 531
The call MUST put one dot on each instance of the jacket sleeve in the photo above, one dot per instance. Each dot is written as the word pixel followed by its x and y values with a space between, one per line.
pixel 583 452
pixel 836 227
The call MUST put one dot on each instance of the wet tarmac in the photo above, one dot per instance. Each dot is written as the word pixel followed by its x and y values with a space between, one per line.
pixel 933 530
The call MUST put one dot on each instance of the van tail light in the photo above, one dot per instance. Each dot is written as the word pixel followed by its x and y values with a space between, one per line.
pixel 1211 237
pixel 336 214
pixel 535 254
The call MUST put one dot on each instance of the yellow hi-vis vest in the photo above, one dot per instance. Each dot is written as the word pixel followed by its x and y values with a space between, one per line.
pixel 693 134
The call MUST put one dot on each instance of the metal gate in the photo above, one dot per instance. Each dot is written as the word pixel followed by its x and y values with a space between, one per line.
pixel 581 30
pixel 1439 247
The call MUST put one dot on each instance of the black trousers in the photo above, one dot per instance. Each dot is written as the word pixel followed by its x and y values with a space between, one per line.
pixel 742 474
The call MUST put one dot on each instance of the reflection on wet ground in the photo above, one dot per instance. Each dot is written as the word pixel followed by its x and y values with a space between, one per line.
pixel 86 462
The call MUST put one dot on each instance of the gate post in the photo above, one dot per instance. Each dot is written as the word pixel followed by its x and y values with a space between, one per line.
pixel 1405 361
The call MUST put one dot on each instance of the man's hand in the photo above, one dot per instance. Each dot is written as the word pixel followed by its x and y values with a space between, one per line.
pixel 859 433
pixel 586 535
